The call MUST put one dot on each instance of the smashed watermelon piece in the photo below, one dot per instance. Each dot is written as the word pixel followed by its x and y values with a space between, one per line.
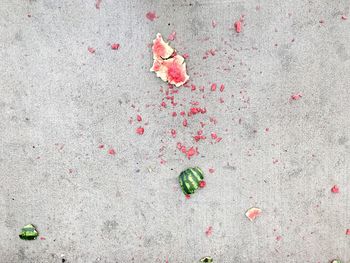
pixel 28 232
pixel 253 213
pixel 168 65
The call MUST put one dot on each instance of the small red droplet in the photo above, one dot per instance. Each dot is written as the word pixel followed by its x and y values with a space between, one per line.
pixel 188 196
pixel 151 16
pixel 211 170
pixel 163 104
pixel 267 129
pixel 111 151
pixel 344 17
pixel 222 87
pixel 296 96
pixel 347 231
pixel 238 26
pixel 213 87
pixel 213 135
pixel 140 130
pixel 172 36
pixel 91 50
pixel 174 114
pixel 335 189
pixel 139 118
pixel 278 238
pixel 115 46
pixel 202 184
pixel 209 231
pixel 182 113
pixel 173 133
pixel 186 56
pixel 184 123
pixel 101 146
pixel 98 3
pixel 42 238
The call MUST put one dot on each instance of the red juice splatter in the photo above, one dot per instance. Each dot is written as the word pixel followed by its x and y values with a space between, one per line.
pixel 187 196
pixel 213 23
pixel 179 145
pixel 173 133
pixel 344 17
pixel 191 152
pixel 98 4
pixel 174 114
pixel 151 16
pixel 213 135
pixel 209 231
pixel 140 130
pixel 222 87
pixel 218 139
pixel 42 238
pixel 296 96
pixel 183 149
pixel 221 100
pixel 184 123
pixel 238 26
pixel 115 46
pixel 278 238
pixel 186 56
pixel 91 50
pixel 213 87
pixel 335 189
pixel 193 87
pixel 172 36
pixel 111 151
pixel 163 104
pixel 211 170
pixel 182 113
pixel 347 232
pixel 202 184
pixel 101 146
pixel 139 117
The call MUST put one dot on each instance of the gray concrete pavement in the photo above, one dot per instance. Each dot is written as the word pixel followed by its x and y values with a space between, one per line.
pixel 59 103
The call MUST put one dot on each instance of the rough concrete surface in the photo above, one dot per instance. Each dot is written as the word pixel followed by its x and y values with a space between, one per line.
pixel 59 102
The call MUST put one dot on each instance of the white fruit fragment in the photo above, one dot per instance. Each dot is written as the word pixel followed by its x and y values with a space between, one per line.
pixel 253 213
pixel 168 65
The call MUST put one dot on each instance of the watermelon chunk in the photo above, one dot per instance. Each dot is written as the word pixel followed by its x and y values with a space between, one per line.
pixel 168 65
pixel 207 259
pixel 28 232
pixel 253 213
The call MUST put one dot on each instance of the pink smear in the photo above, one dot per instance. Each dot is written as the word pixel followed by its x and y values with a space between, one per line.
pixel 186 56
pixel 213 23
pixel 172 36
pixel 238 26
pixel 344 17
pixel 213 87
pixel 278 238
pixel 151 16
pixel 98 3
pixel 347 232
pixel 111 151
pixel 42 238
pixel 209 231
pixel 140 130
pixel 335 189
pixel 91 50
pixel 296 96
pixel 213 135
pixel 115 46
pixel 211 170
pixel 139 118
pixel 101 146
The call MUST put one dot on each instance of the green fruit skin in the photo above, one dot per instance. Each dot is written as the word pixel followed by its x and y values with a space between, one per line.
pixel 189 180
